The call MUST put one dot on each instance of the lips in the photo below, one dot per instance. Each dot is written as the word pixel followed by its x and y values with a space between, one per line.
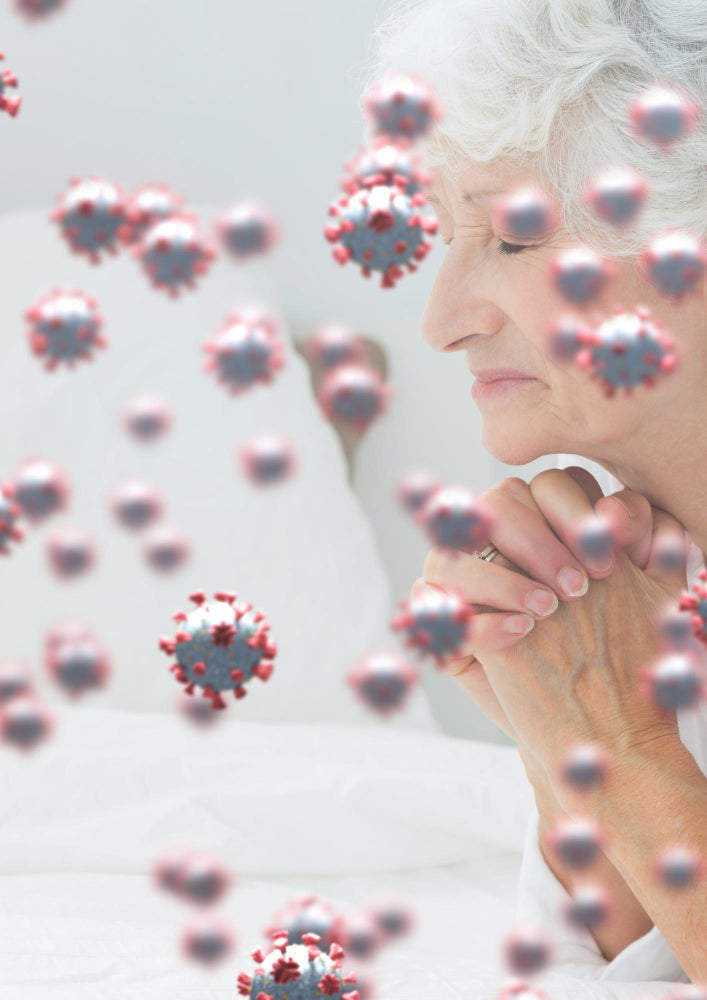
pixel 497 374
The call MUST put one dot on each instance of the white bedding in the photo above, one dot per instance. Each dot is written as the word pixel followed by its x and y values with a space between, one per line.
pixel 339 811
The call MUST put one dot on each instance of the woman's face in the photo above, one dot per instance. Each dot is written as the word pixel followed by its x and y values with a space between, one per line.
pixel 500 308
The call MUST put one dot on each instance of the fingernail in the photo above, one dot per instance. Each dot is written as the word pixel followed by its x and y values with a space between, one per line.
pixel 542 602
pixel 572 581
pixel 625 507
pixel 599 564
pixel 518 624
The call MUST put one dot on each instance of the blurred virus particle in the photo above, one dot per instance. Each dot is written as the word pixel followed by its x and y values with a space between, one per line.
pixel 679 867
pixel 149 204
pixel 197 710
pixel 690 992
pixel 617 196
pixel 38 10
pixel 383 681
pixel 393 917
pixel 670 553
pixel 334 344
pixel 455 517
pixel 362 937
pixel 297 972
pixel 674 263
pixel 365 986
pixel 662 116
pixel 595 539
pixel 566 338
pixel 10 513
pixel 380 229
pixel 308 915
pixel 136 505
pixel 64 327
pixel 626 350
pixel 41 489
pixel 696 604
pixel 168 868
pixel 247 229
pixel 174 254
pixel 90 215
pixel 675 629
pixel 526 950
pixel 577 842
pixel 518 990
pixel 77 664
pixel 147 418
pixel 676 680
pixel 588 907
pixel 208 940
pixel 580 275
pixel 414 489
pixel 524 214
pixel 194 876
pixel 354 395
pixel 384 162
pixel 435 622
pixel 220 646
pixel 584 767
pixel 15 680
pixel 70 552
pixel 267 459
pixel 246 350
pixel 401 106
pixel 165 548
pixel 8 102
pixel 25 722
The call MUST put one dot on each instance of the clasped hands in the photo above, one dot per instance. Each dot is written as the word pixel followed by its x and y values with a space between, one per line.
pixel 573 678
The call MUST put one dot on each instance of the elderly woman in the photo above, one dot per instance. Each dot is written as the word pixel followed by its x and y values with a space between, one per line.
pixel 537 92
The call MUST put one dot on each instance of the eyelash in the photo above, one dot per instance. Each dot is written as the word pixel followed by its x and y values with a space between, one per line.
pixel 503 247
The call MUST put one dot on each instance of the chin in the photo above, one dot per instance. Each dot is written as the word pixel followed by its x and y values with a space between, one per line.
pixel 515 446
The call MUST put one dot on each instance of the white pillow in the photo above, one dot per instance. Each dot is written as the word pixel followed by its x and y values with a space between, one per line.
pixel 302 551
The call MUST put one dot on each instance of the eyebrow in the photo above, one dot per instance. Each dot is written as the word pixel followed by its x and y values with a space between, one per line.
pixel 470 197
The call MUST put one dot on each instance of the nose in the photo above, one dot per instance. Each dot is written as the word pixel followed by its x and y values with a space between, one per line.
pixel 460 305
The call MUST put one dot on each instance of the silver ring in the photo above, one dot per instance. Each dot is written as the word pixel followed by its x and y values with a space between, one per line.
pixel 488 553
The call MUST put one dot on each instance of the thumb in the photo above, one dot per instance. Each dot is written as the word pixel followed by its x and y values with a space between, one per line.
pixel 630 519
pixel 668 556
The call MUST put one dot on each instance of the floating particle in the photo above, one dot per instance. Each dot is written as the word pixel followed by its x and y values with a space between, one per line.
pixel 674 263
pixel 663 116
pixel 147 418
pixel 246 350
pixel 10 513
pixel 526 950
pixel 149 204
pixel 435 622
pixel 401 106
pixel 136 505
pixel 8 102
pixel 588 907
pixel 383 681
pixel 334 344
pixel 25 722
pixel 584 767
pixel 208 940
pixel 247 229
pixel 15 680
pixel 577 842
pixel 197 710
pixel 518 990
pixel 676 680
pixel 679 867
pixel 174 254
pixel 393 917
pixel 524 214
pixel 354 394
pixel 297 972
pixel 65 327
pixel 91 215
pixel 617 196
pixel 71 552
pixel 456 518
pixel 165 548
pixel 41 489
pixel 414 489
pixel 308 915
pixel 38 10
pixel 567 337
pixel 77 664
pixel 267 459
pixel 580 275
pixel 386 162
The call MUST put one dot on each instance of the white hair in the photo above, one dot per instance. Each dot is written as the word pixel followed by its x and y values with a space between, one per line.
pixel 549 83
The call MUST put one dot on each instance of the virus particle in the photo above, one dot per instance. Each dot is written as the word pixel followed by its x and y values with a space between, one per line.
pixel 308 915
pixel 90 215
pixel 70 552
pixel 245 350
pixel 38 10
pixel 246 230
pixel 25 722
pixel 566 338
pixel 149 204
pixel 353 394
pixel 617 196
pixel 196 710
pixel 389 163
pixel 10 513
pixel 401 106
pixel 8 102
pixel 696 604
pixel 687 993
pixel 64 327
pixel 362 938
pixel 670 553
pixel 136 505
pixel 267 459
pixel 526 950
pixel 594 539
pixel 195 877
pixel 383 681
pixel 15 680
pixel 77 664
pixel 584 767
pixel 456 518
pixel 173 253
pixel 167 870
pixel 147 418
pixel 679 867
pixel 297 972
pixel 165 548
pixel 675 629
pixel 380 229
pixel 524 214
pixel 663 116
pixel 69 632
pixel 220 646
pixel 676 680
pixel 588 907
pixel 577 842
pixel 517 990
pixel 415 489
pixel 580 275
pixel 208 940
pixel 41 489
pixel 435 622
pixel 626 350
pixel 674 263
pixel 392 916
pixel 334 344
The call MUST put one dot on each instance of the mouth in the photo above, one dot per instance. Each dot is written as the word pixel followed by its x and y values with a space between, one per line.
pixel 499 382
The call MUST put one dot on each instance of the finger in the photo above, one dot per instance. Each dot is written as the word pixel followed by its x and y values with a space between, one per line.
pixel 492 631
pixel 470 676
pixel 586 480
pixel 630 517
pixel 484 582
pixel 667 562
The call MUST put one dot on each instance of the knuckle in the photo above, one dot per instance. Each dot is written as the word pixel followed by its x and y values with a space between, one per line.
pixel 512 485
pixel 434 565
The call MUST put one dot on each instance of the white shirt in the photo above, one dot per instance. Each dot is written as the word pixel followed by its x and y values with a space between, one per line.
pixel 541 896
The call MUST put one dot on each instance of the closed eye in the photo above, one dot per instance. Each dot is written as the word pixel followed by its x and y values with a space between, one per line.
pixel 503 247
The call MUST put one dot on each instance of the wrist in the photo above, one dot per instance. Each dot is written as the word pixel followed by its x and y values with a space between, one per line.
pixel 546 801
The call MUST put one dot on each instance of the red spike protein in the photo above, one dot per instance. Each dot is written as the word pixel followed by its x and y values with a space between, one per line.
pixel 10 512
pixel 8 102
pixel 297 972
